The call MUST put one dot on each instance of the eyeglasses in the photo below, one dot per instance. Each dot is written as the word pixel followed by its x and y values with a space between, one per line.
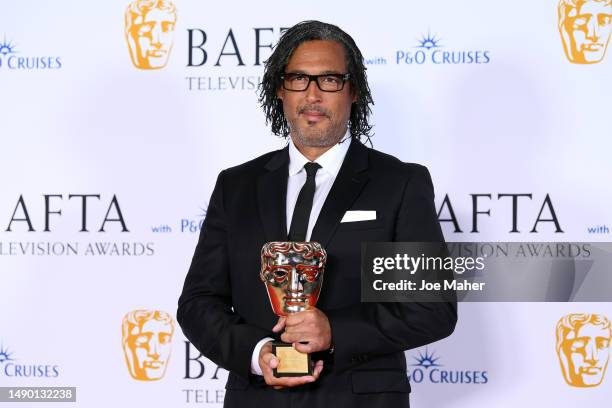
pixel 326 82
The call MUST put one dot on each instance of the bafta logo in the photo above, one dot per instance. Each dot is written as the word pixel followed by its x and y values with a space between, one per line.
pixel 149 31
pixel 585 29
pixel 147 342
pixel 583 347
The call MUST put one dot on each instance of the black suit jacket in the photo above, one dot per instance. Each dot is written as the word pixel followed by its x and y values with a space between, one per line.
pixel 224 308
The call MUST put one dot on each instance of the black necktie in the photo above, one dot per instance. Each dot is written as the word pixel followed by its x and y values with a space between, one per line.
pixel 301 213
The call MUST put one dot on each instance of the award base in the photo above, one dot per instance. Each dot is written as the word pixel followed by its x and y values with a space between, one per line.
pixel 292 362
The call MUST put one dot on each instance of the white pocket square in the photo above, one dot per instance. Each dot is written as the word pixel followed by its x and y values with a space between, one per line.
pixel 352 216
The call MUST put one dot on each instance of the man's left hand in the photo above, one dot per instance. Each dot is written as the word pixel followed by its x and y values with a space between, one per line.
pixel 310 326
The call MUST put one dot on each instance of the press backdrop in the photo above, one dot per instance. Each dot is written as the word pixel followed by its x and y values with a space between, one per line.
pixel 481 92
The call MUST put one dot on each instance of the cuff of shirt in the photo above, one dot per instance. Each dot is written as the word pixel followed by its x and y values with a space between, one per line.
pixel 255 368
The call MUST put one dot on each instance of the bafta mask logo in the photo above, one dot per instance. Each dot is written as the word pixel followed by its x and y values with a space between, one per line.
pixel 585 29
pixel 147 342
pixel 149 32
pixel 293 274
pixel 583 347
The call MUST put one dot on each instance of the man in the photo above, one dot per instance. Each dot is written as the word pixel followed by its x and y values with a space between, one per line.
pixel 147 342
pixel 585 29
pixel 583 347
pixel 314 90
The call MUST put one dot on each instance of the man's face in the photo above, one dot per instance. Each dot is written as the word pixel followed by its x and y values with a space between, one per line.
pixel 589 27
pixel 587 352
pixel 150 346
pixel 150 38
pixel 317 118
pixel 293 282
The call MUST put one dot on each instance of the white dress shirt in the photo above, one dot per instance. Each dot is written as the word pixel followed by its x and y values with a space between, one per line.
pixel 330 163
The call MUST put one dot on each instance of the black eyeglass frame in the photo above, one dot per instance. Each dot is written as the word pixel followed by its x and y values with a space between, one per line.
pixel 315 78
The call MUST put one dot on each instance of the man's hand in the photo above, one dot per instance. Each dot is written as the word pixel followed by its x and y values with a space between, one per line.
pixel 268 361
pixel 310 327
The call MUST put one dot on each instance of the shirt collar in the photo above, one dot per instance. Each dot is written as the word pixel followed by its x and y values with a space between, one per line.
pixel 330 161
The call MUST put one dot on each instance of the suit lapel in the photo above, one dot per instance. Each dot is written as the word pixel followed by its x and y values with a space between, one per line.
pixel 351 179
pixel 272 196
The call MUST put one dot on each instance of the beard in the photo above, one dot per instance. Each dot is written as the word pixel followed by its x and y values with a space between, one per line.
pixel 324 134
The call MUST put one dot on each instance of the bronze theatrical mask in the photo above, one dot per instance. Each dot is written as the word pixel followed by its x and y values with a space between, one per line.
pixel 293 274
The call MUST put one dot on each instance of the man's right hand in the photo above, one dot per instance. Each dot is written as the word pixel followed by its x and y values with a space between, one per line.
pixel 268 361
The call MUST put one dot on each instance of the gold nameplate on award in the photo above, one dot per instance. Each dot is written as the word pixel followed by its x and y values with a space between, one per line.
pixel 292 362
pixel 293 274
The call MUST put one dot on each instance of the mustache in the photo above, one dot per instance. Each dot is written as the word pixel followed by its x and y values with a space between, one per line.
pixel 313 108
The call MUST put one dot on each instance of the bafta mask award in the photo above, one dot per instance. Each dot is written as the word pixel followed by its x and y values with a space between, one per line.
pixel 293 275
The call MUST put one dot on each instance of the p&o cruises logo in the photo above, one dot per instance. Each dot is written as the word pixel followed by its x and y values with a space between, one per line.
pixel 428 369
pixel 15 368
pixel 431 49
pixel 11 58
pixel 189 224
